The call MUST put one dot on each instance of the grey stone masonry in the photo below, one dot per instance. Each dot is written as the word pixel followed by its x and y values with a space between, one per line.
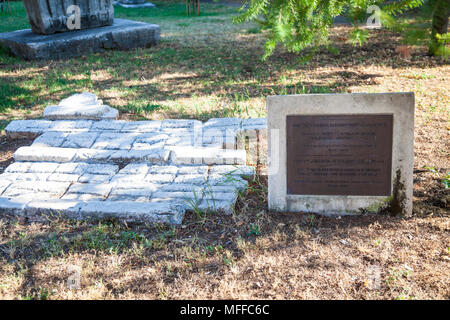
pixel 50 16
pixel 121 35
pixel 152 171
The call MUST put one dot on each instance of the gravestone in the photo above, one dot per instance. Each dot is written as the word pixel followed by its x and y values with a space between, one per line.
pixel 338 154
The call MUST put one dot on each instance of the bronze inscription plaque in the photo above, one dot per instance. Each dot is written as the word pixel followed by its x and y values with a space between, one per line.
pixel 339 155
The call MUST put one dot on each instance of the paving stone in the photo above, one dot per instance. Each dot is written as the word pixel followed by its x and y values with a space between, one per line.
pixel 63 177
pixel 94 178
pixel 151 138
pixel 180 141
pixel 142 126
pixel 148 146
pixel 44 154
pixel 13 206
pixel 93 155
pixel 178 187
pixel 141 194
pixel 156 169
pixel 151 156
pixel 158 212
pixel 138 185
pixel 197 179
pixel 80 140
pixel 159 178
pixel 70 125
pixel 29 195
pixel 72 168
pixel 43 167
pixel 95 168
pixel 185 195
pixel 34 126
pixel 193 169
pixel 43 186
pixel 179 123
pixel 228 157
pixel 109 125
pixel 99 189
pixel 15 191
pixel 33 176
pixel 82 197
pixel 18 176
pixel 135 168
pixel 8 176
pixel 69 208
pixel 50 139
pixel 115 141
pixel 18 167
pixel 119 179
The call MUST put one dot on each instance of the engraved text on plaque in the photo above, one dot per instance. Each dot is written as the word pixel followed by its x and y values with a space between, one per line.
pixel 339 154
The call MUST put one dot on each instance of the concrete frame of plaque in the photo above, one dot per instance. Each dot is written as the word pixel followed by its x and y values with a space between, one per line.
pixel 341 154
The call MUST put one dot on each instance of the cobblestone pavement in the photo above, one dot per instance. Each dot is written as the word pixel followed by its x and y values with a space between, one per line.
pixel 149 171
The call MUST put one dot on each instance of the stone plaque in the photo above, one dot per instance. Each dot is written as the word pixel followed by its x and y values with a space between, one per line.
pixel 339 154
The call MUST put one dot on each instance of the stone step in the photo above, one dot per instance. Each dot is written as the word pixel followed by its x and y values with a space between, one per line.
pixel 180 155
pixel 168 211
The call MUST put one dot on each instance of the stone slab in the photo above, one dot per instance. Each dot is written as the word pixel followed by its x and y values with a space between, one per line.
pixel 73 166
pixel 122 34
pixel 135 6
pixel 399 105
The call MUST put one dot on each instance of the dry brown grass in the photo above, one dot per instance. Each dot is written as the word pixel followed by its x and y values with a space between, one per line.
pixel 287 256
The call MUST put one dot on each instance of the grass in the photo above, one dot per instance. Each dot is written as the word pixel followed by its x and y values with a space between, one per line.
pixel 207 67
pixel 181 77
pixel 250 254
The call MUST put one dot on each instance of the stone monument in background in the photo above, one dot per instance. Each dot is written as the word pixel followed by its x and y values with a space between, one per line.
pixel 47 17
pixel 134 4
pixel 69 28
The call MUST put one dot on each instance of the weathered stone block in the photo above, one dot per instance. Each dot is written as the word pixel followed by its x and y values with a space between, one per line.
pixel 44 154
pixel 50 16
pixel 122 35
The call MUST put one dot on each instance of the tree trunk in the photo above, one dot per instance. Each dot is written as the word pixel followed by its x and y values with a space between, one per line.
pixel 439 24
